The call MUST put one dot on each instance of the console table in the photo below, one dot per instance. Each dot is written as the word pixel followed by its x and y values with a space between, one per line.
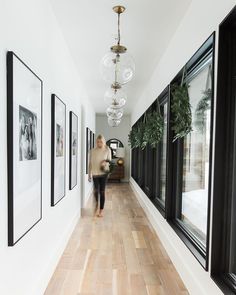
pixel 117 174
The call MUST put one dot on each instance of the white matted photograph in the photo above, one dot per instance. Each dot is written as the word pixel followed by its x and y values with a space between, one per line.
pixel 58 157
pixel 24 100
pixel 73 150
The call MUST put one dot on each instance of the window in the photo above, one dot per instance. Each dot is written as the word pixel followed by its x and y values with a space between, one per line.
pixel 223 268
pixel 160 158
pixel 176 176
pixel 193 158
pixel 192 201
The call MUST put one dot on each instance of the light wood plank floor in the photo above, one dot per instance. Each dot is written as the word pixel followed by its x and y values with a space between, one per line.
pixel 118 254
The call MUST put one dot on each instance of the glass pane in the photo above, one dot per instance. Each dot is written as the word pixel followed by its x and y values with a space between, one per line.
pixel 194 201
pixel 163 150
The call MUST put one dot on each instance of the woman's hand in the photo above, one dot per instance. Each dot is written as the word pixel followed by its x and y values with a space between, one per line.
pixel 89 178
pixel 103 163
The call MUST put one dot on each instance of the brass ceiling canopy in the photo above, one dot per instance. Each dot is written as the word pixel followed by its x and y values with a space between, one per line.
pixel 119 9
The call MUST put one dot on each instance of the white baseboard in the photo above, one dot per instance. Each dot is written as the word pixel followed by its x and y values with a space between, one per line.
pixel 195 278
pixel 86 199
pixel 56 255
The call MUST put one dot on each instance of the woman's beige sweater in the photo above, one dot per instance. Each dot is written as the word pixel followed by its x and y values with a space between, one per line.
pixel 96 156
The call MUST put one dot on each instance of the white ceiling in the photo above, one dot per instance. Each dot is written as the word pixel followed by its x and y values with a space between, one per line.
pixel 89 27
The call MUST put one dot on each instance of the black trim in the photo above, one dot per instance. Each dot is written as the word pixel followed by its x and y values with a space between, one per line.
pixel 163 99
pixel 224 158
pixel 174 156
pixel 87 148
pixel 53 100
pixel 175 162
pixel 10 144
pixel 70 151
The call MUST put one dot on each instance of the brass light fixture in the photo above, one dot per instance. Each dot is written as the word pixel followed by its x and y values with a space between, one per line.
pixel 117 68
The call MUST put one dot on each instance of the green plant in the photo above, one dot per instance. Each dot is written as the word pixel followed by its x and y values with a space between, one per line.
pixel 136 136
pixel 153 129
pixel 139 136
pixel 181 110
pixel 131 137
pixel 200 112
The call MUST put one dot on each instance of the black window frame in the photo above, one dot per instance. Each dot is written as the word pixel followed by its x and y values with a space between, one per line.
pixel 163 98
pixel 176 157
pixel 224 157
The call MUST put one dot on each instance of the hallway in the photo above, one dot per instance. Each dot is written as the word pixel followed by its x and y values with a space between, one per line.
pixel 118 254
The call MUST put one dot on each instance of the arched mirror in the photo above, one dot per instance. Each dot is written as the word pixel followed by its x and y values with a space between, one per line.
pixel 113 145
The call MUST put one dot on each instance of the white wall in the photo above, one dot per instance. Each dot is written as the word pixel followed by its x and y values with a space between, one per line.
pixel 202 18
pixel 29 28
pixel 121 132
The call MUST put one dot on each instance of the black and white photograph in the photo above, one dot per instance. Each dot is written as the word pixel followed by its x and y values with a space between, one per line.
pixel 58 152
pixel 73 150
pixel 60 141
pixel 27 134
pixel 24 125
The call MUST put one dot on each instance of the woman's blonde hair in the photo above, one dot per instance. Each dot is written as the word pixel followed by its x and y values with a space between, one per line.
pixel 102 138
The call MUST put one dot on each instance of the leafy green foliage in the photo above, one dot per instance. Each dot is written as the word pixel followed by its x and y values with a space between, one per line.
pixel 153 129
pixel 181 110
pixel 139 140
pixel 200 112
pixel 148 132
pixel 136 136
pixel 132 137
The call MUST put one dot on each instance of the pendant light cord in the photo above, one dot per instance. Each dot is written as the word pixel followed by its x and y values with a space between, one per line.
pixel 118 29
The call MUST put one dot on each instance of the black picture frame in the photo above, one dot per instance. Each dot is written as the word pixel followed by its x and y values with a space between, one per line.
pixel 88 146
pixel 17 69
pixel 93 140
pixel 73 152
pixel 57 152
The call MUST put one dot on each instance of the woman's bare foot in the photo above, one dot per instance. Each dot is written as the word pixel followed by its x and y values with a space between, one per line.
pixel 100 213
pixel 96 208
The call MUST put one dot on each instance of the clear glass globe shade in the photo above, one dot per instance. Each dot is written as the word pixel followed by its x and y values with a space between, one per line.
pixel 115 98
pixel 113 122
pixel 114 113
pixel 118 68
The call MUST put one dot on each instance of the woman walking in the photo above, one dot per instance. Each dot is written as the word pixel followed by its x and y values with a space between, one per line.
pixel 98 160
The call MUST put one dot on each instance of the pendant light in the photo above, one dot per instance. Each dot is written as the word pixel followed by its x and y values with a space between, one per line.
pixel 117 65
pixel 113 122
pixel 114 113
pixel 115 97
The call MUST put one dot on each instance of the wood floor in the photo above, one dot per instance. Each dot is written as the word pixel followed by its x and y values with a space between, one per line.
pixel 118 254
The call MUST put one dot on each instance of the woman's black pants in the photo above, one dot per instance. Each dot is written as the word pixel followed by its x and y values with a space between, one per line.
pixel 99 189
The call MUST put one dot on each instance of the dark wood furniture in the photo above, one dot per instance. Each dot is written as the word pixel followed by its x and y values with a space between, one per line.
pixel 117 174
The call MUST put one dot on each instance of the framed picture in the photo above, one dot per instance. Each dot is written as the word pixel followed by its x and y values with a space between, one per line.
pixel 93 140
pixel 24 129
pixel 88 146
pixel 58 157
pixel 73 150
